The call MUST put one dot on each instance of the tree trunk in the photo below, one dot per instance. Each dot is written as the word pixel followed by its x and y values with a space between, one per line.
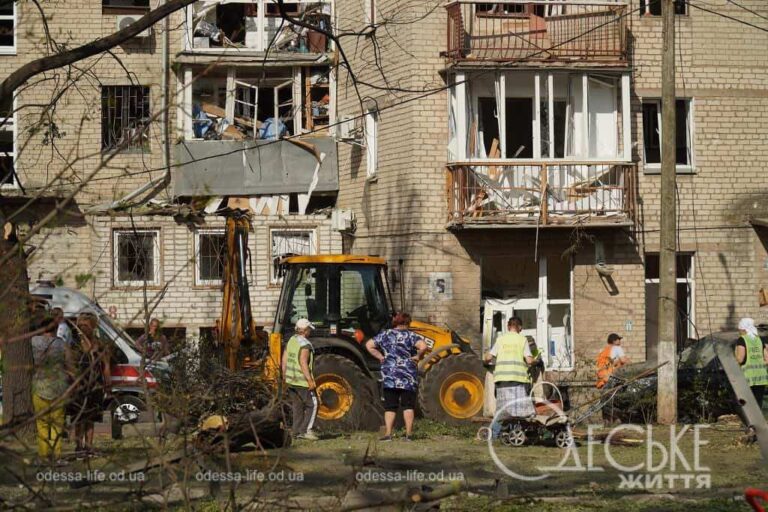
pixel 14 322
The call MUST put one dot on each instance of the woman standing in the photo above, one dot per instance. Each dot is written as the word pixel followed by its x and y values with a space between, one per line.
pixel 49 385
pixel 399 351
pixel 93 366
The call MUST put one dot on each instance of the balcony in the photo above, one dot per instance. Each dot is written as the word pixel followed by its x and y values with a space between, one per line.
pixel 541 194
pixel 247 27
pixel 545 31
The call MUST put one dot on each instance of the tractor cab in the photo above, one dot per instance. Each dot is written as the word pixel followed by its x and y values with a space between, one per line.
pixel 343 296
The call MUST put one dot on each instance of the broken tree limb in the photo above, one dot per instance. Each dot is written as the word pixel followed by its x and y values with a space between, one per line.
pixel 365 499
pixel 65 58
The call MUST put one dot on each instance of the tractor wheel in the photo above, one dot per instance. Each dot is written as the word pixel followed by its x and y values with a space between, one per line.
pixel 452 389
pixel 348 397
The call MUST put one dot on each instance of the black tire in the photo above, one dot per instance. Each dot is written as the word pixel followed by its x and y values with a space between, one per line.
pixel 121 411
pixel 470 401
pixel 357 408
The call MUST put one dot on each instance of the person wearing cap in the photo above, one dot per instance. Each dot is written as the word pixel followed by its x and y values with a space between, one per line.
pixel 298 359
pixel 610 358
pixel 752 355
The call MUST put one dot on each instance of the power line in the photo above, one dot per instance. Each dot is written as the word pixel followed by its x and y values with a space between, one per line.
pixel 748 10
pixel 387 107
pixel 737 20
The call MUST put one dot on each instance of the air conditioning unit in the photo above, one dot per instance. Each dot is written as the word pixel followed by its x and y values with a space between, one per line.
pixel 342 219
pixel 348 128
pixel 126 20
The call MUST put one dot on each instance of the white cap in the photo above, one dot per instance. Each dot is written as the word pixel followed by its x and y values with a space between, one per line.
pixel 303 323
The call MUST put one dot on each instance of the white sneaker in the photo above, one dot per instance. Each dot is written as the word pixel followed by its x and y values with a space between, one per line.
pixel 311 436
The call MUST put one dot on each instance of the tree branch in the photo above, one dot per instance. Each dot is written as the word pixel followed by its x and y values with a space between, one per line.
pixel 47 63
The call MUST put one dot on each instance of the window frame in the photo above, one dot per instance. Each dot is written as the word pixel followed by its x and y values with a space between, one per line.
pixel 371 144
pixel 124 9
pixel 277 280
pixel 156 263
pixel 199 280
pixel 655 168
pixel 11 50
pixel 11 126
pixel 369 8
pixel 645 9
pixel 689 279
pixel 142 148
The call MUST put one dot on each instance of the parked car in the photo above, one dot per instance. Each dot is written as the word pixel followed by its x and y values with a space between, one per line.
pixel 129 400
pixel 704 391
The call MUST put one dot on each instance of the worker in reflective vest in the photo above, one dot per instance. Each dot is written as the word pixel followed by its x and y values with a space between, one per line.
pixel 610 358
pixel 512 356
pixel 297 362
pixel 752 355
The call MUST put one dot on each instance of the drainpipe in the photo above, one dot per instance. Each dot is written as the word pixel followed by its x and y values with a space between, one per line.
pixel 165 118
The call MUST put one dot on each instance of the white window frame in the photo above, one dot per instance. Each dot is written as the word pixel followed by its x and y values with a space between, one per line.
pixel 11 50
pixel 273 279
pixel 116 257
pixel 690 280
pixel 543 85
pixel 655 168
pixel 199 281
pixel 9 124
pixel 371 144
pixel 369 6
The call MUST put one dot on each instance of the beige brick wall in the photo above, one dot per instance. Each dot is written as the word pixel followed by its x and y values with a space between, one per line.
pixel 722 66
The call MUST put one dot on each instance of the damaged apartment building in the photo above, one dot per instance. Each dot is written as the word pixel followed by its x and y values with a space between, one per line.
pixel 527 181
pixel 249 96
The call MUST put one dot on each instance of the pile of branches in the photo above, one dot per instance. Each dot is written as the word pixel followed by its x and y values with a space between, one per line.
pixel 197 388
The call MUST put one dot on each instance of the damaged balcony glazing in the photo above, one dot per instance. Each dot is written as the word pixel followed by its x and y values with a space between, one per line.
pixel 540 148
pixel 257 25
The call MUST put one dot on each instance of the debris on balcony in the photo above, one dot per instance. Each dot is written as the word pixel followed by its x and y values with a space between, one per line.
pixel 258 25
pixel 529 30
pixel 541 194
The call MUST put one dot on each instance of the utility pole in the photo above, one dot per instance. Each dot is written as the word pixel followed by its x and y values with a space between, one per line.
pixel 667 348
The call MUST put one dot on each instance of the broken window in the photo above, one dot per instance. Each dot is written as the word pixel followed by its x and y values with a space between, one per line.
pixel 685 326
pixel 124 117
pixel 258 25
pixel 652 133
pixel 556 127
pixel 139 4
pixel 211 250
pixel 653 7
pixel 7 26
pixel 233 105
pixel 289 242
pixel 137 257
pixel 7 145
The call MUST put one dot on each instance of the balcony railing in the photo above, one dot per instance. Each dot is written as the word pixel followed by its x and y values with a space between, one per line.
pixel 503 193
pixel 537 31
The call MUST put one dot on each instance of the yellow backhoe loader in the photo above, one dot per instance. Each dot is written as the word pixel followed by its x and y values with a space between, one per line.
pixel 348 299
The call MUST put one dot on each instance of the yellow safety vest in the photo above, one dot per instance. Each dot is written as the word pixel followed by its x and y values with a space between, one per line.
pixel 510 359
pixel 293 374
pixel 754 366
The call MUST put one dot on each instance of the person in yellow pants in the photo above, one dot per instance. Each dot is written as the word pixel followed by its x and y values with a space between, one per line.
pixel 50 427
pixel 49 385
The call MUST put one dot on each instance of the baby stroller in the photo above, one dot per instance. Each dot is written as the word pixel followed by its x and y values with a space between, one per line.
pixel 549 421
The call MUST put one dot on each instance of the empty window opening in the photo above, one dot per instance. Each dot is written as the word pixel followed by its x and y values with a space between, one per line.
pixel 652 132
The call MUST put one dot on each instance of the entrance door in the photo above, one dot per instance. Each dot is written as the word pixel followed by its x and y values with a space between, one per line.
pixel 546 317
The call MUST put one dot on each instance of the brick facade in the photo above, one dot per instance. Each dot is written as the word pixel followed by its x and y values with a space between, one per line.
pixel 76 249
pixel 721 66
